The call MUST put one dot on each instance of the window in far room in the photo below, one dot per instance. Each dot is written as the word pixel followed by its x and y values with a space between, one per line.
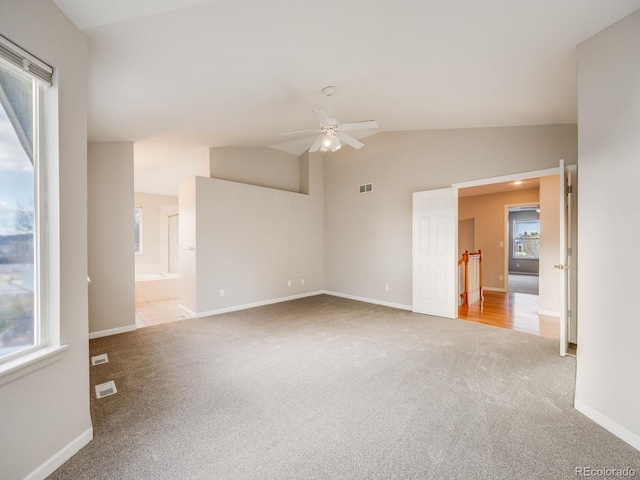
pixel 526 239
pixel 137 230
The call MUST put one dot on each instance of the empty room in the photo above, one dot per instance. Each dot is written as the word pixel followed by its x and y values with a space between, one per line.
pixel 361 240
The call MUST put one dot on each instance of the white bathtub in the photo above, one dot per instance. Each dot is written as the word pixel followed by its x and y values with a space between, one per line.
pixel 156 286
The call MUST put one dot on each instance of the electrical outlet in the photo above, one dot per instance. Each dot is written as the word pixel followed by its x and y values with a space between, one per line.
pixel 517 265
pixel 386 287
pixel 222 292
pixel 288 283
pixel 501 277
pixel 302 282
pixel 501 244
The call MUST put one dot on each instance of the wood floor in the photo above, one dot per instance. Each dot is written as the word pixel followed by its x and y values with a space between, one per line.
pixel 515 311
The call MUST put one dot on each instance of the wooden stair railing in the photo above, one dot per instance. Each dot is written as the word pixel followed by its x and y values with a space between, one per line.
pixel 476 284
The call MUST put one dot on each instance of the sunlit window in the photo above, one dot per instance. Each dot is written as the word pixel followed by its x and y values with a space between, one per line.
pixel 137 230
pixel 526 239
pixel 20 327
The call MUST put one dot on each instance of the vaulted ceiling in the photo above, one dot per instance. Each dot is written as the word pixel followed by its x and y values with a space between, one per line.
pixel 178 76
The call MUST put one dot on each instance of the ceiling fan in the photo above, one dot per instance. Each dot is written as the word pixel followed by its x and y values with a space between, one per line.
pixel 332 133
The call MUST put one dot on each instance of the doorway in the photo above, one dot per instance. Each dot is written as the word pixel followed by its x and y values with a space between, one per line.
pixel 496 272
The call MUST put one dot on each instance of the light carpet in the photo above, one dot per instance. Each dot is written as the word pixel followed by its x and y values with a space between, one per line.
pixel 329 388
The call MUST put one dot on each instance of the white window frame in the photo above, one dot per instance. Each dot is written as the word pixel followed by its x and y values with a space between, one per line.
pixel 46 348
pixel 140 242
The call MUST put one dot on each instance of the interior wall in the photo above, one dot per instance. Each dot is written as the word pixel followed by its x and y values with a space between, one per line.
pixel 46 412
pixel 155 209
pixel 522 265
pixel 466 236
pixel 368 237
pixel 262 166
pixel 250 241
pixel 111 257
pixel 187 239
pixel 490 229
pixel 550 279
pixel 607 389
pixel 164 179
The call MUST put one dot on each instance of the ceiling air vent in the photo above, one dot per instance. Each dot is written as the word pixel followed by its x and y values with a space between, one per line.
pixel 106 389
pixel 99 359
pixel 365 188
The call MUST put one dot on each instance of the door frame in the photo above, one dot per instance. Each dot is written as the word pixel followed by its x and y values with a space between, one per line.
pixel 507 240
pixel 512 178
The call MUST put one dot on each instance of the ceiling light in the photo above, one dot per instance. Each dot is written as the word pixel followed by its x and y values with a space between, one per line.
pixel 327 141
pixel 518 182
pixel 336 145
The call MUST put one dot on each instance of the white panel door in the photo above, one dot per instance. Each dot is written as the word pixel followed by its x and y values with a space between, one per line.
pixel 434 252
pixel 568 314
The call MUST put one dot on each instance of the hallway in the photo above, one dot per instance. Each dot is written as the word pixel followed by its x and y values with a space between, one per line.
pixel 514 311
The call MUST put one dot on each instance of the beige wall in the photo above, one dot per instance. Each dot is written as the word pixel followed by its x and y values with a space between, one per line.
pixel 111 257
pixel 549 277
pixel 46 412
pixel 368 237
pixel 260 166
pixel 187 240
pixel 155 211
pixel 488 211
pixel 607 387
pixel 250 241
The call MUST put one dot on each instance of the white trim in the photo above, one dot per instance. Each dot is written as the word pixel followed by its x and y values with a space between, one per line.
pixel 508 178
pixel 494 289
pixel 369 300
pixel 605 422
pixel 293 297
pixel 548 313
pixel 248 305
pixel 30 362
pixel 112 331
pixel 55 462
pixel 187 311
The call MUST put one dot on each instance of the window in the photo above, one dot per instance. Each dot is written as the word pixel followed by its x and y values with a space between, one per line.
pixel 526 239
pixel 22 325
pixel 137 230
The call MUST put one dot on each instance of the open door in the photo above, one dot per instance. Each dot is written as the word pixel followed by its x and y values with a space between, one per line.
pixel 434 252
pixel 568 314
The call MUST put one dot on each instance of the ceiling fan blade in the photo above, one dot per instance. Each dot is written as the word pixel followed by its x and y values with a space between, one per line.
pixel 359 125
pixel 349 140
pixel 323 117
pixel 315 130
pixel 316 145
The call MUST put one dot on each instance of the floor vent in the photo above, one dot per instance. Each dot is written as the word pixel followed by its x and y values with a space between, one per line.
pixel 99 359
pixel 106 389
pixel 365 188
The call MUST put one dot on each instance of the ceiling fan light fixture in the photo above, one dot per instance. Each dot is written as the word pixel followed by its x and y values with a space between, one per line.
pixel 327 141
pixel 336 145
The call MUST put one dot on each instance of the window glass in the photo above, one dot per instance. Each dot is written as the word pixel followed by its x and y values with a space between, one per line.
pixel 526 239
pixel 137 230
pixel 18 317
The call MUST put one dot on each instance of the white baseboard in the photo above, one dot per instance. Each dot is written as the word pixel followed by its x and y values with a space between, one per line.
pixel 548 313
pixel 494 289
pixel 249 305
pixel 111 331
pixel 369 300
pixel 55 462
pixel 605 422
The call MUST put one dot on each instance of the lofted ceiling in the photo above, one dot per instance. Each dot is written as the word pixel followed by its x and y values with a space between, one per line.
pixel 178 76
